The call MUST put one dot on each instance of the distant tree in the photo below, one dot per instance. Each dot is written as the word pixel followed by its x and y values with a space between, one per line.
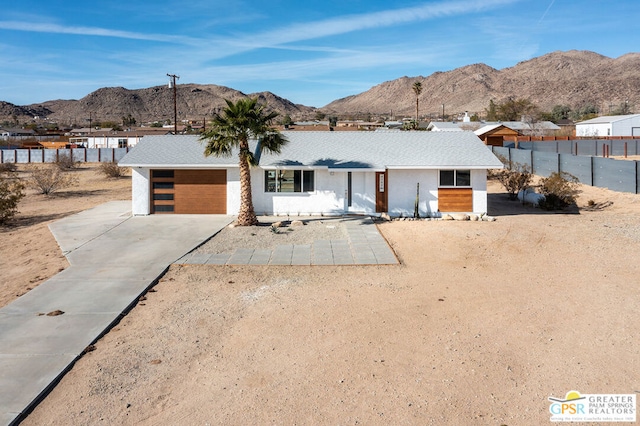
pixel 286 120
pixel 622 109
pixel 320 115
pixel 559 112
pixel 128 121
pixel 513 109
pixel 333 121
pixel 492 111
pixel 585 112
pixel 475 118
pixel 417 89
pixel 238 123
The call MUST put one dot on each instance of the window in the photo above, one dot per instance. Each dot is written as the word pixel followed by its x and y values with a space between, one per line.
pixel 162 173
pixel 162 185
pixel 455 178
pixel 122 143
pixel 289 181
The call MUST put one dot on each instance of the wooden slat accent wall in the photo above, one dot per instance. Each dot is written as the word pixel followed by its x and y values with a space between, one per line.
pixel 455 199
pixel 201 191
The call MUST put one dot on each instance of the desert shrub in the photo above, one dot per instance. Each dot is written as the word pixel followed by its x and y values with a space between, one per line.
pixel 48 179
pixel 560 190
pixel 111 169
pixel 11 192
pixel 515 177
pixel 8 168
pixel 65 162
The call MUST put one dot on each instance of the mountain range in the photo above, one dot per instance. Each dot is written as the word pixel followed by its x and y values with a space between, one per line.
pixel 573 78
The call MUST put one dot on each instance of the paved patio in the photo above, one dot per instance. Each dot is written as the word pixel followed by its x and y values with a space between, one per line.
pixel 364 246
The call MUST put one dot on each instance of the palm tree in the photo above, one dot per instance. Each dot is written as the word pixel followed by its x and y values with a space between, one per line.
pixel 239 122
pixel 417 89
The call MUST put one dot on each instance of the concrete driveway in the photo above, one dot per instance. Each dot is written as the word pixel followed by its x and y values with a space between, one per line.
pixel 114 258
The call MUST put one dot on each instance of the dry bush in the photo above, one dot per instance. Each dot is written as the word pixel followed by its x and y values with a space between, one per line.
pixel 515 177
pixel 111 169
pixel 560 190
pixel 8 168
pixel 49 179
pixel 65 162
pixel 11 192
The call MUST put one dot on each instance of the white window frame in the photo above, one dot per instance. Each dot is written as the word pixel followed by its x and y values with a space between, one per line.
pixel 278 184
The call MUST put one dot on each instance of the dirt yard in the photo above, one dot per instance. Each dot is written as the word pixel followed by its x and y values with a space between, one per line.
pixel 480 324
pixel 29 254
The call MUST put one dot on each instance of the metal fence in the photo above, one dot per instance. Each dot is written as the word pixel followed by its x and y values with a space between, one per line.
pixel 595 147
pixel 617 175
pixel 83 155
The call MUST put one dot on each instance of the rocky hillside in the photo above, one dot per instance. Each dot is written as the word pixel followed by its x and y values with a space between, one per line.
pixel 194 102
pixel 573 78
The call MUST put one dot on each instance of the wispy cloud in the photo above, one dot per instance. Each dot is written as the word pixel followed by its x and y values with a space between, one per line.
pixel 351 23
pixel 90 31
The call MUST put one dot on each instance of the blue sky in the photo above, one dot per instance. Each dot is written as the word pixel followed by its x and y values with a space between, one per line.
pixel 310 52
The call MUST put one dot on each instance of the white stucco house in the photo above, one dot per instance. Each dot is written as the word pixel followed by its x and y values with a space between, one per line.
pixel 317 173
pixel 614 125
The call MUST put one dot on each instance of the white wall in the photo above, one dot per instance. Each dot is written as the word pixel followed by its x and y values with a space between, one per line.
pixel 363 196
pixel 327 199
pixel 110 142
pixel 479 185
pixel 625 127
pixel 233 190
pixel 402 192
pixel 140 191
pixel 597 129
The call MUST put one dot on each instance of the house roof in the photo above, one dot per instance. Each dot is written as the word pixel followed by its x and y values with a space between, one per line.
pixel 493 128
pixel 608 119
pixel 521 125
pixel 445 126
pixel 333 150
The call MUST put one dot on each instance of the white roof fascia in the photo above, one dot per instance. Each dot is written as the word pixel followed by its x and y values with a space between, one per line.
pixel 183 166
pixel 293 167
pixel 447 167
pixel 361 169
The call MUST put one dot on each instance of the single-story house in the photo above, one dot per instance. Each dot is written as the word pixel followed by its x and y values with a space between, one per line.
pixel 615 125
pixel 317 173
pixel 494 134
pixel 526 128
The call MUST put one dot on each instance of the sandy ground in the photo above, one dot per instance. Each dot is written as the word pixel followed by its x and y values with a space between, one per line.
pixel 29 254
pixel 480 323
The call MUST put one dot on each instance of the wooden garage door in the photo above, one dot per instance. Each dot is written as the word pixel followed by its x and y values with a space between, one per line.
pixel 455 199
pixel 189 191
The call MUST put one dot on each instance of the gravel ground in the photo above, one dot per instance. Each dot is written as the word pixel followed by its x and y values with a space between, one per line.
pixel 265 236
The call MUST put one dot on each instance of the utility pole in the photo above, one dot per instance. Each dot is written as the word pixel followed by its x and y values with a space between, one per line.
pixel 172 85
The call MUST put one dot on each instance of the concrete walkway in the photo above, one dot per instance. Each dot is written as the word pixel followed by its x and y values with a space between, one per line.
pixel 113 258
pixel 364 246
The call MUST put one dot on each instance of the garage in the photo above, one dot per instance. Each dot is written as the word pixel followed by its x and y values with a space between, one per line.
pixel 189 191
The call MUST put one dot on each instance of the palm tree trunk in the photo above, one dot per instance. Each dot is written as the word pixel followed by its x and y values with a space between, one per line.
pixel 246 215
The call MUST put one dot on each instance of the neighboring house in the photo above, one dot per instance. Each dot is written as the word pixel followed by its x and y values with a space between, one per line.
pixel 494 134
pixel 615 125
pixel 6 134
pixel 317 173
pixel 444 126
pixel 114 139
pixel 534 128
